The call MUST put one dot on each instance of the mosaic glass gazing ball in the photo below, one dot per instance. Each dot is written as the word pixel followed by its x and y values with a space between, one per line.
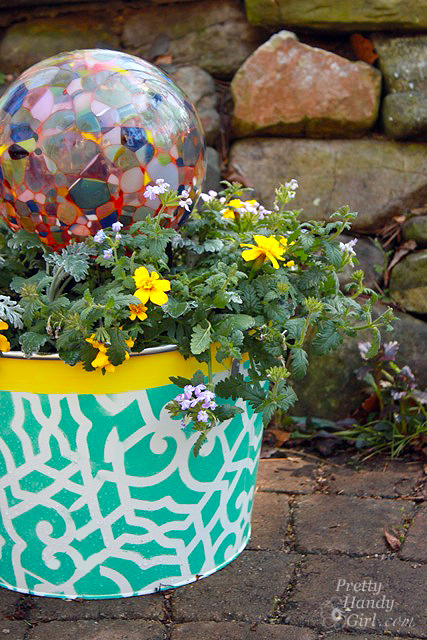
pixel 82 134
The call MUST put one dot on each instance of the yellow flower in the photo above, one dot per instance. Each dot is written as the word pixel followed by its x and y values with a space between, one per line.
pixel 101 360
pixel 4 342
pixel 237 204
pixel 137 311
pixel 267 248
pixel 150 287
pixel 229 213
pixel 130 344
pixel 284 242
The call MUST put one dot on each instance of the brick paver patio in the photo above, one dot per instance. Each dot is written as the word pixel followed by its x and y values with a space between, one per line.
pixel 317 566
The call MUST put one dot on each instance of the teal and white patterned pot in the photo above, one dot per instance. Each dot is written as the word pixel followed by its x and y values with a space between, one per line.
pixel 100 493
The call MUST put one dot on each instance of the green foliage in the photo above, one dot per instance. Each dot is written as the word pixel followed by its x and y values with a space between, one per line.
pixel 79 302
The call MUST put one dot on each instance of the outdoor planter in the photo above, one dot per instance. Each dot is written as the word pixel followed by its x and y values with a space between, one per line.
pixel 101 494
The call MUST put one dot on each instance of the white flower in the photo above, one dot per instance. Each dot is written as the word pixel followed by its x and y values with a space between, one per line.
pixel 162 186
pixel 108 253
pixel 210 195
pixel 117 226
pixel 186 203
pixel 291 186
pixel 348 246
pixel 151 192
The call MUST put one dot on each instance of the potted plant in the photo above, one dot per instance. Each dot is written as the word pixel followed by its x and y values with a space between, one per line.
pixel 141 361
pixel 105 493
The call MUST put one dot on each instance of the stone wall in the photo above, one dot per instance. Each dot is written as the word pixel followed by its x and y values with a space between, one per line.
pixel 331 93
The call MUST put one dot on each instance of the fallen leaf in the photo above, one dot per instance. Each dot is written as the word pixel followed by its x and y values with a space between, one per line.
pixel 363 48
pixel 163 59
pixel 392 541
pixel 280 435
pixel 402 251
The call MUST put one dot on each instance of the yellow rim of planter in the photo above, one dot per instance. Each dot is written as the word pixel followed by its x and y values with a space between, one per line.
pixel 49 374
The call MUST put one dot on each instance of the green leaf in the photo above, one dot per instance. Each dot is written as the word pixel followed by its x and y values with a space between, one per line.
pixel 200 338
pixel 11 311
pixel 226 411
pixel 179 381
pixel 31 342
pixel 74 260
pixel 24 240
pixel 225 323
pixel 294 327
pixel 306 241
pixel 175 309
pixel 333 253
pixel 213 245
pixel 18 282
pixel 88 353
pixel 326 339
pixel 255 395
pixel 375 344
pixel 299 362
pixel 117 350
pixel 230 387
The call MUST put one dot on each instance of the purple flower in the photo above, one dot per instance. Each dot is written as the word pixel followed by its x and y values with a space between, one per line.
pixel 188 391
pixel 185 404
pixel 407 372
pixel 202 416
pixel 117 226
pixel 396 395
pixel 99 236
pixel 391 349
pixel 108 253
pixel 208 404
pixel 199 389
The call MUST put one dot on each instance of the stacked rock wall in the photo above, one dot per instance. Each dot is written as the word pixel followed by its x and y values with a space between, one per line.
pixel 333 94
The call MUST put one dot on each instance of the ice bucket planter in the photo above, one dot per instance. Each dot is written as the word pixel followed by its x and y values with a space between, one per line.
pixel 101 495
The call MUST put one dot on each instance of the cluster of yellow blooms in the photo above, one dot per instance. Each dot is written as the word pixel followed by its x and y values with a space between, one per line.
pixel 4 342
pixel 237 204
pixel 101 361
pixel 149 287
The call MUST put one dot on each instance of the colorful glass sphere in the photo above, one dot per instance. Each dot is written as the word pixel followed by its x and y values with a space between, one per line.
pixel 82 134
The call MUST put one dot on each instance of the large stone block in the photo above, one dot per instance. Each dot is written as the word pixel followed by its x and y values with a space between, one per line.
pixel 403 61
pixel 415 228
pixel 287 87
pixel 212 34
pixel 378 179
pixel 26 43
pixel 408 282
pixel 404 115
pixel 199 86
pixel 345 15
